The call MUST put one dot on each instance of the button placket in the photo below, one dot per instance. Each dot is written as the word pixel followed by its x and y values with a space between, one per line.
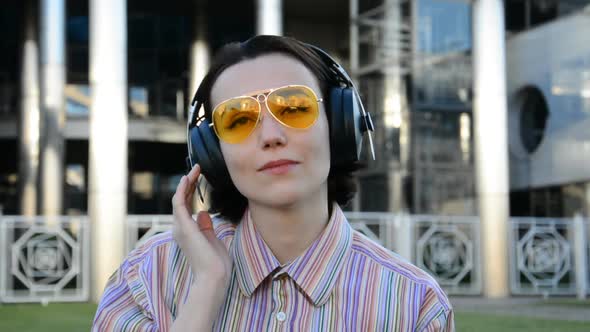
pixel 280 315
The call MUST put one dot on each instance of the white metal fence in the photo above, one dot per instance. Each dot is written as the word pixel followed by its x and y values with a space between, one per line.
pixel 448 248
pixel 48 260
pixel 543 259
pixel 44 260
pixel 542 256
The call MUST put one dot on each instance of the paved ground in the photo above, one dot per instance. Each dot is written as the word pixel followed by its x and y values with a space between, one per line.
pixel 553 308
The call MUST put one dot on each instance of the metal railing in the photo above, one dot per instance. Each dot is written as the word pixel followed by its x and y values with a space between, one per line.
pixel 48 260
pixel 543 260
pixel 448 248
pixel 44 260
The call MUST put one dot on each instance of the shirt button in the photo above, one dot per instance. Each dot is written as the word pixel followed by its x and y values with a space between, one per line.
pixel 281 316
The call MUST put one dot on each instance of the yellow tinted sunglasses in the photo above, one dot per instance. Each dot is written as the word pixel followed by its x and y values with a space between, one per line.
pixel 294 106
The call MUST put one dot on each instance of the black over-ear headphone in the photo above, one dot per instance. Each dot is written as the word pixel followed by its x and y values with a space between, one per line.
pixel 348 122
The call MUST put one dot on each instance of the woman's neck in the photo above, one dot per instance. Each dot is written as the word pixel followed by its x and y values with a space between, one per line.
pixel 289 230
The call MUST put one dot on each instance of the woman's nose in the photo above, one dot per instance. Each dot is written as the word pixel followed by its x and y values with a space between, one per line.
pixel 271 132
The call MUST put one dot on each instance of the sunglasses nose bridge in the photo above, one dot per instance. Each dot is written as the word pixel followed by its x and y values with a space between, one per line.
pixel 261 99
pixel 263 106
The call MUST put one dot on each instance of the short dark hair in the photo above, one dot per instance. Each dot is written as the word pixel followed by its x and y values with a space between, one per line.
pixel 227 200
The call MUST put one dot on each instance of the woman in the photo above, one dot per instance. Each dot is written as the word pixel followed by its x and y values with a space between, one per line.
pixel 280 255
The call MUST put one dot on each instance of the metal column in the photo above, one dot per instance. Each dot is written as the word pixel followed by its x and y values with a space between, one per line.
pixel 269 17
pixel 385 35
pixel 29 124
pixel 107 195
pixel 395 104
pixel 53 76
pixel 491 147
pixel 199 58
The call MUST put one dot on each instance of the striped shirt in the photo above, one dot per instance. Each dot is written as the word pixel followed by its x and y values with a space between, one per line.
pixel 342 282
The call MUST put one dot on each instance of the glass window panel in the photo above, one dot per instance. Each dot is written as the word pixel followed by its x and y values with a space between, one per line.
pixel 444 26
pixel 75 199
pixel 443 74
pixel 138 101
pixel 77 30
pixel 77 99
pixel 8 193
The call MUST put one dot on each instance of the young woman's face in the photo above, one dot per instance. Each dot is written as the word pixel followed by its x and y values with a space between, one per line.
pixel 303 153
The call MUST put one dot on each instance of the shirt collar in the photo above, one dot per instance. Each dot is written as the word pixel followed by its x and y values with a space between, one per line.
pixel 315 271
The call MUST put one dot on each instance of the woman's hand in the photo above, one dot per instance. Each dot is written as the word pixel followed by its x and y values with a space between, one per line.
pixel 207 255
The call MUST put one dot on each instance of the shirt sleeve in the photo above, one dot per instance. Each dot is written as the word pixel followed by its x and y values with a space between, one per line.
pixel 123 306
pixel 445 321
pixel 436 313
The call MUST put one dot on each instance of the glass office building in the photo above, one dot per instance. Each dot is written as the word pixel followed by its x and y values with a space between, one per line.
pixel 432 160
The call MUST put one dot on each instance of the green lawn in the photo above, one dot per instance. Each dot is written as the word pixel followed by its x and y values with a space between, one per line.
pixel 54 317
pixel 483 323
pixel 566 302
pixel 78 317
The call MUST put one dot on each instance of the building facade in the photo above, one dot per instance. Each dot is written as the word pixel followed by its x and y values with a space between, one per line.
pixel 549 107
pixel 423 108
pixel 162 51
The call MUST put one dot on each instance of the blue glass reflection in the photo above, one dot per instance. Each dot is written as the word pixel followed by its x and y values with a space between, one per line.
pixel 138 101
pixel 443 75
pixel 444 26
pixel 77 99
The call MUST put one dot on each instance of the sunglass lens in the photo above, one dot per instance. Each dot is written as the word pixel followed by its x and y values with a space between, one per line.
pixel 295 106
pixel 235 119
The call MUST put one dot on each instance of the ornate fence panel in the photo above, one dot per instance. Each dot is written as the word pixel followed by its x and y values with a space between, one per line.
pixel 141 227
pixel 448 248
pixel 378 226
pixel 44 260
pixel 541 256
pixel 42 263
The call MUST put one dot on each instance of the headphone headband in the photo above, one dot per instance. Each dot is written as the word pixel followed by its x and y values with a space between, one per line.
pixel 366 121
pixel 335 67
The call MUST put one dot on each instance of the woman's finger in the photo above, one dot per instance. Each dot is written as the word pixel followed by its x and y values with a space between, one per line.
pixel 206 226
pixel 193 177
pixel 179 194
pixel 204 221
pixel 179 208
pixel 192 187
pixel 194 173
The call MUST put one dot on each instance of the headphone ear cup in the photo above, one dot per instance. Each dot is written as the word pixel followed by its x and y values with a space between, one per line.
pixel 206 152
pixel 345 134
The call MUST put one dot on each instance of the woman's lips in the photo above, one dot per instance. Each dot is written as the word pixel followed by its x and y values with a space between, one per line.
pixel 278 167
